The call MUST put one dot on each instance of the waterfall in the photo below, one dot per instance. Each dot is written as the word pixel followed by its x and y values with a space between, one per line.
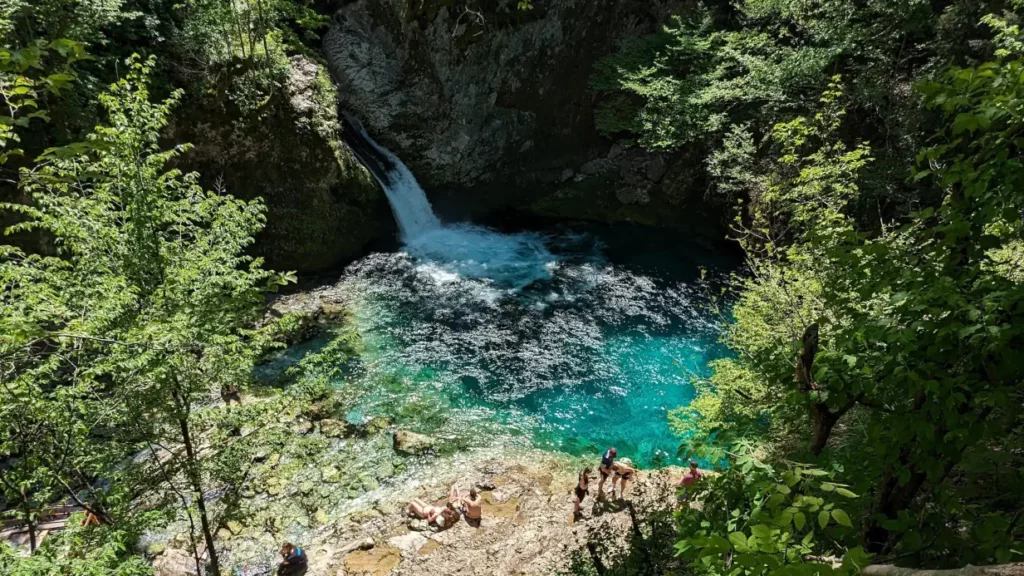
pixel 449 253
pixel 408 201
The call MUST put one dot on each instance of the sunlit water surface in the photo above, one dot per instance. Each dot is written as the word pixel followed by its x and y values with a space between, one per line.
pixel 566 340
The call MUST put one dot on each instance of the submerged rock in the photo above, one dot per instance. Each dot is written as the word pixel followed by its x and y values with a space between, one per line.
pixel 406 442
pixel 334 428
pixel 378 425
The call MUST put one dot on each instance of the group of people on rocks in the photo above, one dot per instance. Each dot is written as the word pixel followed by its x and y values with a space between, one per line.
pixel 622 472
pixel 470 506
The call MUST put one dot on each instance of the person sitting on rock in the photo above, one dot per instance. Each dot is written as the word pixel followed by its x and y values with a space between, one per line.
pixel 624 472
pixel 229 393
pixel 607 461
pixel 294 563
pixel 471 507
pixel 582 489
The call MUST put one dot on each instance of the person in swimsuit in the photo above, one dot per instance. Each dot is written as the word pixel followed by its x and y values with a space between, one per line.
pixel 471 507
pixel 421 509
pixel 445 517
pixel 607 461
pixel 624 472
pixel 687 481
pixel 294 561
pixel 582 485
pixel 229 393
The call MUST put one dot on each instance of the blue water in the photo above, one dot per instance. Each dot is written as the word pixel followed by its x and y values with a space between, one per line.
pixel 566 339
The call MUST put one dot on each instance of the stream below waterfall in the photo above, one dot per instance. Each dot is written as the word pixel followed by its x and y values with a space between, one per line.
pixel 570 338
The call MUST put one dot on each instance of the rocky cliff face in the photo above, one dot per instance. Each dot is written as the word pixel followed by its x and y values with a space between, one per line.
pixel 484 96
pixel 323 207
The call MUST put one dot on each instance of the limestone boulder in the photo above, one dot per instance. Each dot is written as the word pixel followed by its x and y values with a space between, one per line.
pixel 406 442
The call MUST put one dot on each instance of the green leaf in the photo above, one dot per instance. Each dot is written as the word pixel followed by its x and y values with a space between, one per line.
pixel 739 541
pixel 721 545
pixel 823 518
pixel 761 531
pixel 842 518
pixel 845 492
pixel 828 486
pixel 799 520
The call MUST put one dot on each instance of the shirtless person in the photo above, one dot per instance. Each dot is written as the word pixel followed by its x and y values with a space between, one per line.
pixel 607 461
pixel 624 472
pixel 472 507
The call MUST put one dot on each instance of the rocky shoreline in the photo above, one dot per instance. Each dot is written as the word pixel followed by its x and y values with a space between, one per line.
pixel 528 527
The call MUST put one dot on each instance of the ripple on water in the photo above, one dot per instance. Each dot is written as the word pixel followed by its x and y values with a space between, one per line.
pixel 543 332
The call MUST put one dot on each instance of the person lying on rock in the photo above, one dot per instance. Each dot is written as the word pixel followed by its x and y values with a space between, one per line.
pixel 471 507
pixel 442 517
pixel 582 489
pixel 294 563
pixel 624 472
pixel 607 461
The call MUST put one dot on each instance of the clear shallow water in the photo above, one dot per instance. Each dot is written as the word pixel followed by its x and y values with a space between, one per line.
pixel 565 340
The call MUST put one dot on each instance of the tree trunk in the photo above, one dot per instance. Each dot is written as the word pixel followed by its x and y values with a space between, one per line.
pixel 1015 569
pixel 265 29
pixel 893 497
pixel 824 421
pixel 238 28
pixel 27 510
pixel 192 468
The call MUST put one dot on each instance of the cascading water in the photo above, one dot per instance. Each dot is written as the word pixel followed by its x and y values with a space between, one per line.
pixel 448 251
pixel 408 201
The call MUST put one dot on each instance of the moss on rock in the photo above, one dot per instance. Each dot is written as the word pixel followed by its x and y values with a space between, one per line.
pixel 323 207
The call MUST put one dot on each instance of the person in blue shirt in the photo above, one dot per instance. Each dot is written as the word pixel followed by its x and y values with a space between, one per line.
pixel 295 562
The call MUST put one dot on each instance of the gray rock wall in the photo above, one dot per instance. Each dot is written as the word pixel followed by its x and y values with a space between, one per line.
pixel 468 93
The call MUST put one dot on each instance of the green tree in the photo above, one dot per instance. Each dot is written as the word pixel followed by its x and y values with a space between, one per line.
pixel 906 341
pixel 152 290
pixel 756 518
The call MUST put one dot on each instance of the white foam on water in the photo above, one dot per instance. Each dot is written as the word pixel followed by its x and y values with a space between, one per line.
pixel 446 253
pixel 511 261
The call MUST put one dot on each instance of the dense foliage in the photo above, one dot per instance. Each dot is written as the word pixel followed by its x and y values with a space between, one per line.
pixel 872 411
pixel 878 324
pixel 114 344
